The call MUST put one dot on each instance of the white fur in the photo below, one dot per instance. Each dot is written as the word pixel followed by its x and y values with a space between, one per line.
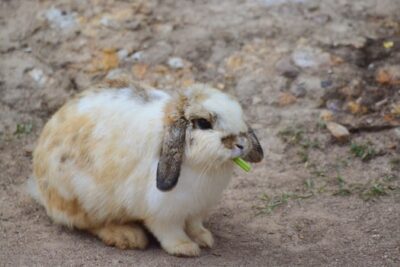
pixel 194 194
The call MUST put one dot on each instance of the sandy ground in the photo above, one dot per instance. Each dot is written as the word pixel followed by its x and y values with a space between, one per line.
pixel 312 202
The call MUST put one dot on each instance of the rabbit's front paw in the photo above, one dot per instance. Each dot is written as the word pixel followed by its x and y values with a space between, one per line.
pixel 183 248
pixel 123 236
pixel 201 236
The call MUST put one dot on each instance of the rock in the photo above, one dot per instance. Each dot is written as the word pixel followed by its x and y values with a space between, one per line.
pixel 175 62
pixel 164 29
pixel 60 19
pixel 334 104
pixel 286 68
pixel 338 131
pixel 109 22
pixel 158 53
pixel 307 57
pixel 298 90
pixel 137 56
pixel 122 54
pixel 38 76
pixel 397 132
pixel 326 84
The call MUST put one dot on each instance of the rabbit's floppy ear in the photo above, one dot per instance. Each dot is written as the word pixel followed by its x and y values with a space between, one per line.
pixel 256 153
pixel 173 147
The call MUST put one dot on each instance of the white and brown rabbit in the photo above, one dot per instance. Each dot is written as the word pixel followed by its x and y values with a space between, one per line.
pixel 109 162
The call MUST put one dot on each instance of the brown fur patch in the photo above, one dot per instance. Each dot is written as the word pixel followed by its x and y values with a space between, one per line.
pixel 71 208
pixel 229 141
pixel 174 109
pixel 68 142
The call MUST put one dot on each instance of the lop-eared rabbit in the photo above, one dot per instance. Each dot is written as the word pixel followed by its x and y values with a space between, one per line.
pixel 120 157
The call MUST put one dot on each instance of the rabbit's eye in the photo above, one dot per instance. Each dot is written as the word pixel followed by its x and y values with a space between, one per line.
pixel 202 124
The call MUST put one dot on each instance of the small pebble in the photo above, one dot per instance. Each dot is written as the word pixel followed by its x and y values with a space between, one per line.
pixel 334 105
pixel 137 56
pixel 256 100
pixel 38 76
pixel 338 131
pixel 397 132
pixel 299 90
pixel 326 83
pixel 60 19
pixel 175 62
pixel 285 67
pixel 122 54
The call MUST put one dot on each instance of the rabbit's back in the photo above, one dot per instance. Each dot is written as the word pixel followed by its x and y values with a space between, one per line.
pixel 95 155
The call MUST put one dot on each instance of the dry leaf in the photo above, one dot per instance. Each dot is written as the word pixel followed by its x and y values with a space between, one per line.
pixel 335 60
pixel 388 44
pixel 109 59
pixel 161 69
pixel 388 75
pixel 396 110
pixel 382 76
pixel 390 118
pixel 105 61
pixel 286 99
pixel 356 108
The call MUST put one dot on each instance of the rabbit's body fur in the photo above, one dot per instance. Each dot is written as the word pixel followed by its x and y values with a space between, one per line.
pixel 96 162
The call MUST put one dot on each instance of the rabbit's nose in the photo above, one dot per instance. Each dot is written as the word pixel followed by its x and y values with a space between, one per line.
pixel 241 143
pixel 239 146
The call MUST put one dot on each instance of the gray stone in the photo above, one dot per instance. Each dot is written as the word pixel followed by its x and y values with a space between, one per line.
pixel 175 62
pixel 60 19
pixel 286 68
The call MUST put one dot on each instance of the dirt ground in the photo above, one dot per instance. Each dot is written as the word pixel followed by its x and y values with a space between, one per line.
pixel 293 64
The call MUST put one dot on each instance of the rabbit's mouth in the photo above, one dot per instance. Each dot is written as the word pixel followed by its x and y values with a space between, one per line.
pixel 237 151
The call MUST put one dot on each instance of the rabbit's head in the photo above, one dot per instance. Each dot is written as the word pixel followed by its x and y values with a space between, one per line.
pixel 205 128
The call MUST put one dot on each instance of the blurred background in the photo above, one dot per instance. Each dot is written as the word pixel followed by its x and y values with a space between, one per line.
pixel 319 82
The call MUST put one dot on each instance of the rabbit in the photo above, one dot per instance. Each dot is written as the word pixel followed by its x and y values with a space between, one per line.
pixel 122 157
